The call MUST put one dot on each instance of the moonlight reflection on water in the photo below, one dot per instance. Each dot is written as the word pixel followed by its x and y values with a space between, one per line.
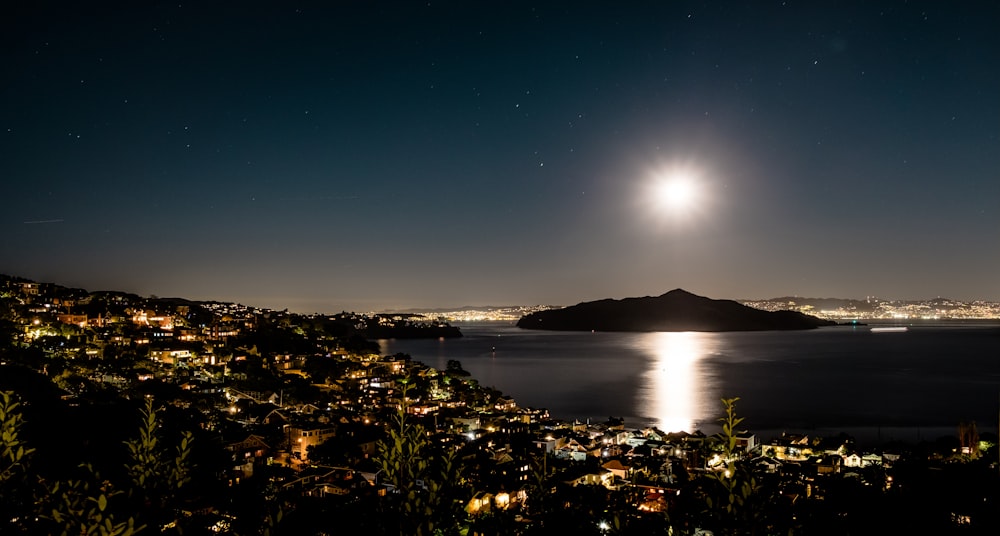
pixel 678 394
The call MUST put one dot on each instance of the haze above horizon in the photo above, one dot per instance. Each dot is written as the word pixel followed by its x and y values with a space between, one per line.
pixel 368 156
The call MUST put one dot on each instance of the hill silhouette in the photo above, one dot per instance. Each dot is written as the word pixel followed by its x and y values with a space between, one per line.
pixel 677 310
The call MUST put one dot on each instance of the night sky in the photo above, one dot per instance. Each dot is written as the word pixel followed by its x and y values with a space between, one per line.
pixel 366 155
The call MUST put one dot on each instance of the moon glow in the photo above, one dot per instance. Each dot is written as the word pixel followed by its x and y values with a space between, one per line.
pixel 676 193
pixel 676 197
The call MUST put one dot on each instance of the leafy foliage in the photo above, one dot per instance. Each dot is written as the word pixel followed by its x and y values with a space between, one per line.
pixel 13 451
pixel 423 478
pixel 150 469
pixel 83 506
pixel 737 483
pixel 84 503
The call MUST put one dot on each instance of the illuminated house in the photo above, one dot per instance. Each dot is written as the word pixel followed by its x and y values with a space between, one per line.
pixel 484 502
pixel 301 438
pixel 576 451
pixel 790 447
pixel 324 481
pixel 481 502
pixel 423 409
pixel 465 424
pixel 76 320
pixel 246 454
pixel 505 404
pixel 617 469
pixel 583 476
pixel 746 441
pixel 169 356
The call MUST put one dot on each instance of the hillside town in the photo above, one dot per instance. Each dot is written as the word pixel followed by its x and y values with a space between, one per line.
pixel 295 424
pixel 875 308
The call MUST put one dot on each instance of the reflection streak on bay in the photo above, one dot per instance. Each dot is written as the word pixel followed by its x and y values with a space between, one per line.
pixel 678 391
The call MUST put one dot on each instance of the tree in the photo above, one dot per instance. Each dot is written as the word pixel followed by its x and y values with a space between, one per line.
pixel 157 477
pixel 14 457
pixel 737 483
pixel 83 506
pixel 423 478
pixel 69 507
pixel 86 503
pixel 14 452
pixel 321 368
pixel 454 368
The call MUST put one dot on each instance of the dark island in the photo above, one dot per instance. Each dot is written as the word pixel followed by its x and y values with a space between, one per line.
pixel 677 310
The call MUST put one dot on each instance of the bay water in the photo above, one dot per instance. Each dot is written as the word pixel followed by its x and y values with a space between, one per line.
pixel 913 385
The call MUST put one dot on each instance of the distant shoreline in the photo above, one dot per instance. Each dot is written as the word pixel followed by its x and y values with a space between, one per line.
pixel 923 322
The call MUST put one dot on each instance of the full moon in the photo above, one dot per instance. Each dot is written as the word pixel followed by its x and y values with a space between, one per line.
pixel 675 196
pixel 676 193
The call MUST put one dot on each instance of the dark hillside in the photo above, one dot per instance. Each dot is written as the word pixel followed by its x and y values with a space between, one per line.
pixel 677 310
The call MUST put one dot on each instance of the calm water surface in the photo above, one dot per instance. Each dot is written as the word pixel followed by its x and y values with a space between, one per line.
pixel 929 378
